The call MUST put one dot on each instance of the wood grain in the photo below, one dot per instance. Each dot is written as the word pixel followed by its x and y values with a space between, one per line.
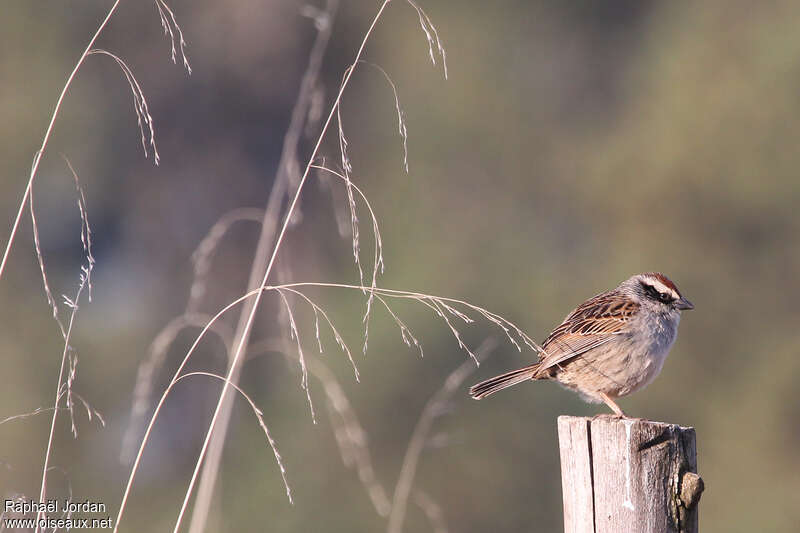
pixel 628 476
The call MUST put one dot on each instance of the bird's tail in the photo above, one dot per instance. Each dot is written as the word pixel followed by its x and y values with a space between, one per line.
pixel 490 386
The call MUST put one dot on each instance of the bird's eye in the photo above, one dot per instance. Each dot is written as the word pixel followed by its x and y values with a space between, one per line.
pixel 654 294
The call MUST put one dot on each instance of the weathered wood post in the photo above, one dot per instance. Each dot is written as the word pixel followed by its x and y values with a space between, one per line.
pixel 628 476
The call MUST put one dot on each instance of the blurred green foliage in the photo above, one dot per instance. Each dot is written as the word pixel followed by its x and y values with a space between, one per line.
pixel 573 145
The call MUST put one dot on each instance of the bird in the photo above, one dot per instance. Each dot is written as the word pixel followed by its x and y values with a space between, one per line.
pixel 610 346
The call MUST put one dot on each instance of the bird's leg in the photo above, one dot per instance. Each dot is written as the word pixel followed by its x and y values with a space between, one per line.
pixel 614 407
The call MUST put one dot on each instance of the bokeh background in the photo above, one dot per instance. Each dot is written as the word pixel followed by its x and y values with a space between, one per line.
pixel 573 144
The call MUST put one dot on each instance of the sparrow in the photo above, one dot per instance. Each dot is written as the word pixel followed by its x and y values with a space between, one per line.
pixel 608 347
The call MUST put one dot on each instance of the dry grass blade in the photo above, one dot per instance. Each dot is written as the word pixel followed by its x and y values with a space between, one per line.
pixel 143 117
pixel 402 130
pixel 406 334
pixel 339 340
pixel 171 27
pixel 439 309
pixel 90 412
pixel 86 230
pixel 441 306
pixel 73 369
pixel 347 168
pixel 341 212
pixel 260 416
pixel 51 301
pixel 432 35
pixel 303 368
pixel 37 411
pixel 378 264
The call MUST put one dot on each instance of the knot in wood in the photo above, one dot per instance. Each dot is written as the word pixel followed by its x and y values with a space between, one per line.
pixel 692 487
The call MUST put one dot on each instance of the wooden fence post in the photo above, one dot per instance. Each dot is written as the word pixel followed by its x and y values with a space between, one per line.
pixel 628 476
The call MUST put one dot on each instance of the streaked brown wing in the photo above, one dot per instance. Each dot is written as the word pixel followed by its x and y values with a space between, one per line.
pixel 590 325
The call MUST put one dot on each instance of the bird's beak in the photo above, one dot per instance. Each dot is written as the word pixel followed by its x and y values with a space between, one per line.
pixel 684 305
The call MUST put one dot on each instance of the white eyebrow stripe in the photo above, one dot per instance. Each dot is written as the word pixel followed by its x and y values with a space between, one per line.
pixel 660 287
